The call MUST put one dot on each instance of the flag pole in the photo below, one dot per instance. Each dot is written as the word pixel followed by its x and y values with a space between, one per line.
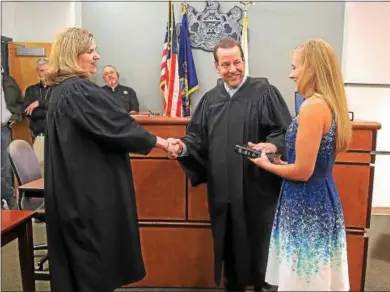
pixel 169 49
pixel 244 36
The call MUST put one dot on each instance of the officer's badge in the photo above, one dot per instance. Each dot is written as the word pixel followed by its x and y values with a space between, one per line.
pixel 211 25
pixel 125 92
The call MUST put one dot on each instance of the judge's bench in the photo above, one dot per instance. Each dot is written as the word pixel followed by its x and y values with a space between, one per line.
pixel 175 229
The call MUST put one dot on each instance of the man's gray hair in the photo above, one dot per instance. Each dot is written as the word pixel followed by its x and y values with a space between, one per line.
pixel 42 61
pixel 111 66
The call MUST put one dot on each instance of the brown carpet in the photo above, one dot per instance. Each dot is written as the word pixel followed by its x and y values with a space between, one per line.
pixel 377 275
pixel 378 264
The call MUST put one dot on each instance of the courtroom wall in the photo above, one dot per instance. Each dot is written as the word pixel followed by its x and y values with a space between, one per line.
pixel 130 35
pixel 366 68
pixel 31 21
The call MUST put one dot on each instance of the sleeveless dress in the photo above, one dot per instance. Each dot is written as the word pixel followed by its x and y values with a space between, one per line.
pixel 308 249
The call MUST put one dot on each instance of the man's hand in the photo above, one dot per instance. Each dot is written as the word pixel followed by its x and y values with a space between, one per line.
pixel 265 147
pixel 11 123
pixel 175 148
pixel 31 107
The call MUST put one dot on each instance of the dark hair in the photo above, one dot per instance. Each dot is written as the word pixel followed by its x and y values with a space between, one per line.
pixel 227 43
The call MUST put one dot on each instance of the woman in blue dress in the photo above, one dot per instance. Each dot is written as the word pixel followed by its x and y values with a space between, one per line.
pixel 308 248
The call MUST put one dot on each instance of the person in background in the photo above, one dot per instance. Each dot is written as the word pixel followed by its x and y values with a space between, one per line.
pixel 123 94
pixel 35 103
pixel 242 199
pixel 11 112
pixel 36 99
pixel 308 250
pixel 91 213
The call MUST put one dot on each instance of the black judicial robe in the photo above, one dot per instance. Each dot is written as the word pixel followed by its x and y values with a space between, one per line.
pixel 91 214
pixel 255 113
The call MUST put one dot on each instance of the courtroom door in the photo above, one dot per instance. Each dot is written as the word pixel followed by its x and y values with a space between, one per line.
pixel 22 69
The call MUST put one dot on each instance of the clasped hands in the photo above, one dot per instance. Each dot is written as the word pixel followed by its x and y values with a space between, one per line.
pixel 175 147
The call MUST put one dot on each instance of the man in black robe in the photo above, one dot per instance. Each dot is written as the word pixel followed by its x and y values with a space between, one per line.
pixel 242 197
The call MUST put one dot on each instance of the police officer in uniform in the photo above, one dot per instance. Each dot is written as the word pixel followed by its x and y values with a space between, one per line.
pixel 125 95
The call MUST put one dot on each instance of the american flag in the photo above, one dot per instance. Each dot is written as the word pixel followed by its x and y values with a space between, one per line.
pixel 169 78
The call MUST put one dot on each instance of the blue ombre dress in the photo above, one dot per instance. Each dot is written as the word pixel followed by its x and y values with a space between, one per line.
pixel 308 248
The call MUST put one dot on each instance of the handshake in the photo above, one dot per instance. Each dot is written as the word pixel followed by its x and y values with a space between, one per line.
pixel 175 148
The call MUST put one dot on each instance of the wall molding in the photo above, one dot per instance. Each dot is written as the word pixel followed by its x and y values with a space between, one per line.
pixel 380 211
pixel 362 84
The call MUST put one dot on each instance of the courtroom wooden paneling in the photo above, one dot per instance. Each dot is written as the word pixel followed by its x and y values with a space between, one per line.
pixel 177 257
pixel 159 182
pixel 159 187
pixel 164 131
pixel 180 253
pixel 354 175
pixel 350 179
pixel 353 184
pixel 362 139
pixel 355 157
pixel 167 131
pixel 357 260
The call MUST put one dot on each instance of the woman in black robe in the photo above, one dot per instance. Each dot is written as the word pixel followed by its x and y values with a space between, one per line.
pixel 92 226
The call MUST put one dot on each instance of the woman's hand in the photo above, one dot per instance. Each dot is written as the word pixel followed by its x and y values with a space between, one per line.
pixel 262 161
pixel 279 161
pixel 264 147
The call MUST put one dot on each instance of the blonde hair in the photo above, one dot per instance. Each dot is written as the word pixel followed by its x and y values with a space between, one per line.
pixel 321 74
pixel 63 60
